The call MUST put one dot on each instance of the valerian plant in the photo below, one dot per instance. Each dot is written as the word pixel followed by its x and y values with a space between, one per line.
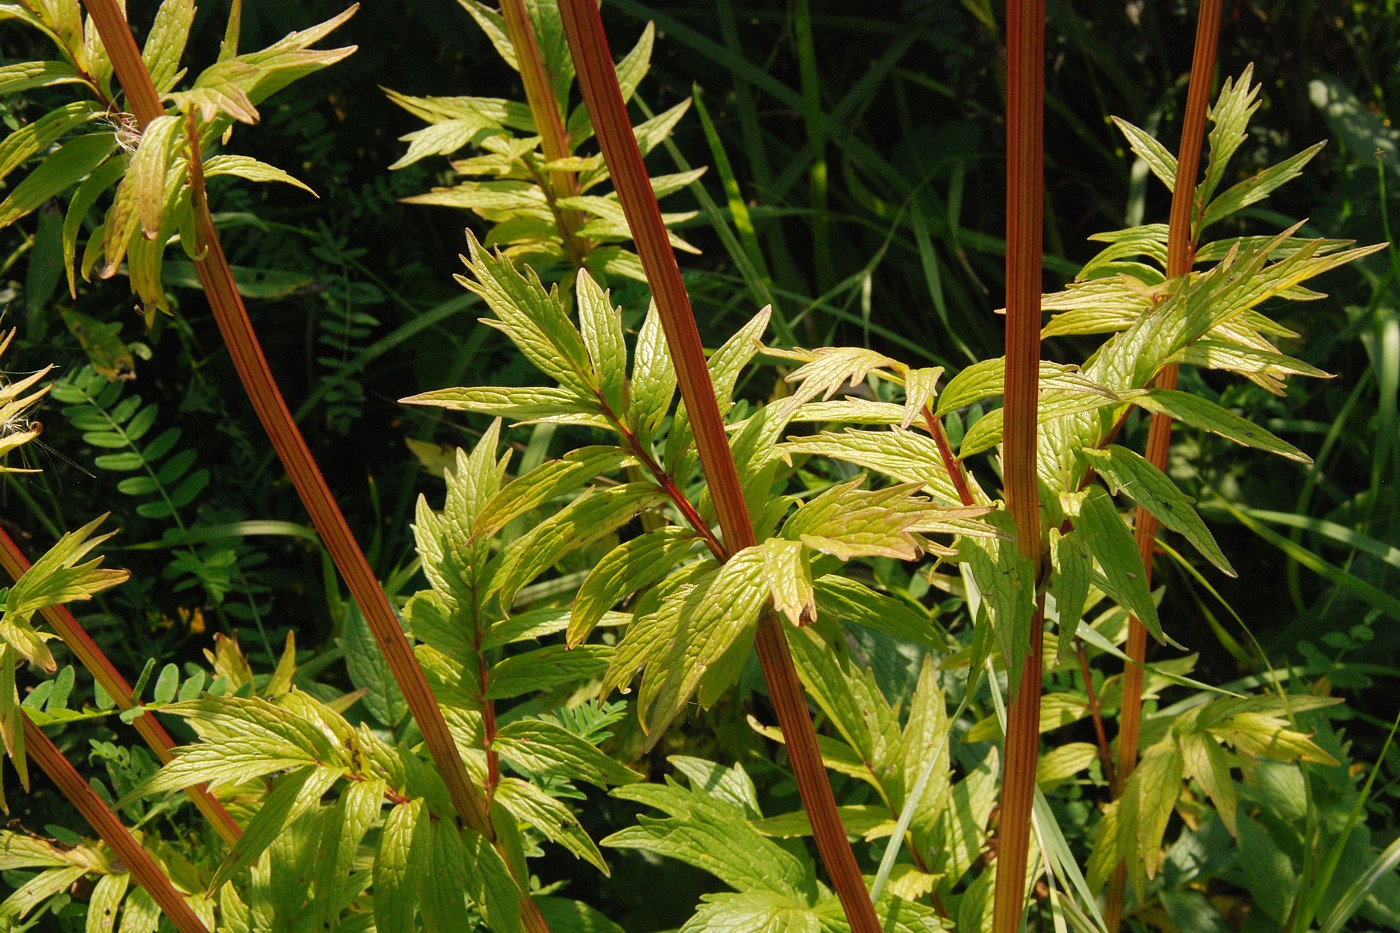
pixel 477 736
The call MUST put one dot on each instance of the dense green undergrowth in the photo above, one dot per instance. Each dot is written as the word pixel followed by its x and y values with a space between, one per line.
pixel 547 534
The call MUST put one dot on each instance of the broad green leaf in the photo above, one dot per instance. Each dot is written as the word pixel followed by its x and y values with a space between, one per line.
pixel 64 167
pixel 1006 580
pixel 532 318
pixel 295 794
pixel 550 817
pixel 905 456
pixel 101 178
pixel 165 43
pixel 1063 762
pixel 1153 789
pixel 491 885
pixel 523 404
pixel 1236 103
pixel 547 750
pixel 1206 415
pixel 588 519
pixel 1071 565
pixel 920 389
pixel 653 378
pixel 851 700
pixel 345 827
pixel 442 889
pixel 21 76
pixel 106 898
pixel 841 598
pixel 1149 150
pixel 546 668
pixel 1205 761
pixel 251 169
pixel 369 671
pixel 575 916
pixel 787 573
pixel 1115 550
pixel 601 327
pixel 140 196
pixel 713 835
pixel 33 138
pixel 847 521
pixel 715 622
pixel 548 480
pixel 1257 188
pixel 629 568
pixel 752 912
pixel 1152 489
pixel 398 868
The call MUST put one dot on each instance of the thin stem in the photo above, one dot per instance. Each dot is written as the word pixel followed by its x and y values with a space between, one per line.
pixel 1096 712
pixel 1025 199
pixel 1180 249
pixel 951 464
pixel 106 674
pixel 598 80
pixel 107 825
pixel 216 278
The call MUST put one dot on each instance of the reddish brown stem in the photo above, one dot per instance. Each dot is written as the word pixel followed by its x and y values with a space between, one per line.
pixel 598 80
pixel 1025 197
pixel 105 673
pixel 1096 712
pixel 951 464
pixel 237 330
pixel 108 826
pixel 1180 248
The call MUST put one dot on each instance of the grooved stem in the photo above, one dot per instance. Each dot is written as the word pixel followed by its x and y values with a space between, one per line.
pixel 105 673
pixel 107 825
pixel 598 81
pixel 1180 249
pixel 1025 199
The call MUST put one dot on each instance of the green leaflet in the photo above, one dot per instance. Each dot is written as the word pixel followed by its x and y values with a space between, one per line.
pixel 1122 575
pixel 628 568
pixel 545 749
pixel 1130 472
pixel 1145 146
pixel 653 378
pixel 532 318
pixel 442 898
pixel 1006 580
pixel 165 43
pixel 848 522
pixel 553 819
pixel 590 518
pixel 521 404
pixel 1208 416
pixel 295 794
pixel 398 868
pixel 1235 104
pixel 545 668
pixel 251 169
pixel 65 167
pixel 787 575
pixel 849 600
pixel 850 698
pixel 548 480
pixel 601 327
pixel 1205 762
pixel 1071 565
pixel 905 456
pixel 344 828
pixel 714 834
pixel 714 625
pixel 33 138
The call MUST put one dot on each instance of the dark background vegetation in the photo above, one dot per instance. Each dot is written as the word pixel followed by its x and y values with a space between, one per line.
pixel 867 140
